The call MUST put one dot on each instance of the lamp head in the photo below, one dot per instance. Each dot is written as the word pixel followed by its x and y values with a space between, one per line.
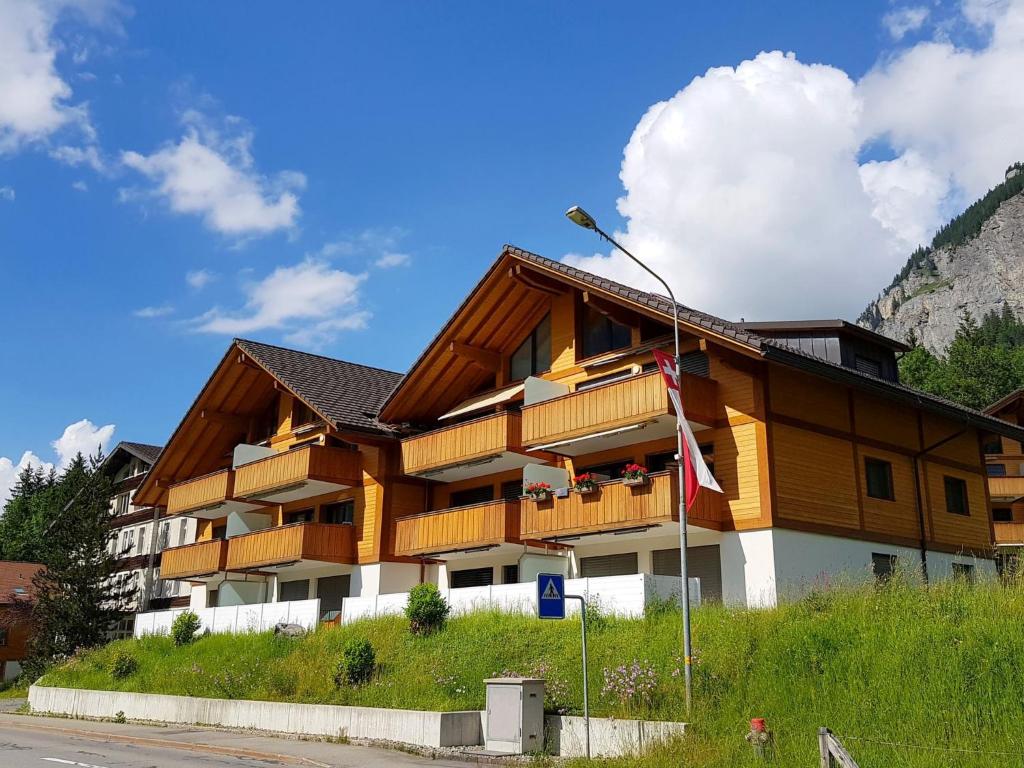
pixel 580 217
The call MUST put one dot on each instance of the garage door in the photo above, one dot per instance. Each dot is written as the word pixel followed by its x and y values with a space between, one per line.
pixel 294 590
pixel 704 563
pixel 609 565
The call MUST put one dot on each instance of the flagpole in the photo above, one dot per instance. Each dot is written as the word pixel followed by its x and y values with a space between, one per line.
pixel 582 218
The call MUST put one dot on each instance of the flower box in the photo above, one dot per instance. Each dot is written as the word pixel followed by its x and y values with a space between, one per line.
pixel 584 484
pixel 635 474
pixel 537 491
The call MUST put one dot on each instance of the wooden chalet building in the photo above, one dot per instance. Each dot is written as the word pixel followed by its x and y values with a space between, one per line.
pixel 1004 462
pixel 16 598
pixel 317 477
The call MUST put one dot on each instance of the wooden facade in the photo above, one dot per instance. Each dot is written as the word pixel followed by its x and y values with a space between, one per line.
pixel 477 525
pixel 284 544
pixel 489 435
pixel 204 558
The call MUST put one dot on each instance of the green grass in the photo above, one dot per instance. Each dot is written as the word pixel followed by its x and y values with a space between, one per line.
pixel 13 690
pixel 940 667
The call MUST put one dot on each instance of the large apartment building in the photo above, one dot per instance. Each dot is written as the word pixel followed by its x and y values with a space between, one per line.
pixel 139 534
pixel 316 477
pixel 1004 462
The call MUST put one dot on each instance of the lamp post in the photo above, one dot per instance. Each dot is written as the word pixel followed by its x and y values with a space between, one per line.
pixel 580 217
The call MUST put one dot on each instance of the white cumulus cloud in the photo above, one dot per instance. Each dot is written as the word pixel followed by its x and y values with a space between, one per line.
pixel 782 189
pixel 901 21
pixel 9 472
pixel 82 437
pixel 310 302
pixel 35 99
pixel 210 172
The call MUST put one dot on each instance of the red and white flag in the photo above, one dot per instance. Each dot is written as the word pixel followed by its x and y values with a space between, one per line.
pixel 697 473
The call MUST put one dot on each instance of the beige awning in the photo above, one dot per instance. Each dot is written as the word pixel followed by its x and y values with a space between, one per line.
pixel 484 401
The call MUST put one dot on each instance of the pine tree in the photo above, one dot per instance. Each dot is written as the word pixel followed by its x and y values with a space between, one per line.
pixel 77 600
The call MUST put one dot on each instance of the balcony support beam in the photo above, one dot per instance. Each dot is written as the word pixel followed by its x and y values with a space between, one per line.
pixel 616 312
pixel 534 281
pixel 487 359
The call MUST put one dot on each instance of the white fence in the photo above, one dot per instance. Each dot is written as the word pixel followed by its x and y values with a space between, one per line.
pixel 257 617
pixel 620 595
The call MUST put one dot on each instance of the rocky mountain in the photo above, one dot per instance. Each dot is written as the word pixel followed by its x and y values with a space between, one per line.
pixel 975 264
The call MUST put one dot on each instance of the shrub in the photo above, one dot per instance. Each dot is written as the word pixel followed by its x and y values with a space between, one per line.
pixel 122 665
pixel 184 628
pixel 357 663
pixel 426 610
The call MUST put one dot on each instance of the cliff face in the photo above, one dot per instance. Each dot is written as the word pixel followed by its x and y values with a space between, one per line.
pixel 978 276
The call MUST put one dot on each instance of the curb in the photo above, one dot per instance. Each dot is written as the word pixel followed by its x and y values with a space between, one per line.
pixel 171 744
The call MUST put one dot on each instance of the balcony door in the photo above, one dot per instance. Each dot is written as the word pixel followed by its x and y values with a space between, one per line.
pixel 332 590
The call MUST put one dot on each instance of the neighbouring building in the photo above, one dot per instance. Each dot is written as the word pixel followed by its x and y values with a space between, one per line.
pixel 15 621
pixel 313 477
pixel 1004 462
pixel 139 534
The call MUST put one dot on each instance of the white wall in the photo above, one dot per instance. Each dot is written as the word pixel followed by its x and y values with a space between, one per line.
pixel 748 568
pixel 384 578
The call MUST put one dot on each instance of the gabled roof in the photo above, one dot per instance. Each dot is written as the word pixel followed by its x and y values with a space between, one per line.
pixel 830 325
pixel 1004 402
pixel 144 451
pixel 738 335
pixel 16 580
pixel 345 394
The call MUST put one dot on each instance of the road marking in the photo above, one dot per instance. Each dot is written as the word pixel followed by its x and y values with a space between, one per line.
pixel 70 762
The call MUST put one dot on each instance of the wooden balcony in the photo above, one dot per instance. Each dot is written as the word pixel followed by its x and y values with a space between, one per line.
pixel 483 446
pixel 1006 489
pixel 1009 534
pixel 616 507
pixel 612 415
pixel 203 559
pixel 207 497
pixel 488 524
pixel 285 545
pixel 300 473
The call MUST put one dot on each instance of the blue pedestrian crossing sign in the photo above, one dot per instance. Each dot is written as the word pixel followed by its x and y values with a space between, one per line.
pixel 550 596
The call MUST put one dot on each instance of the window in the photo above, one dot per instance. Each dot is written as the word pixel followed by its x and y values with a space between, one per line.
pixel 534 354
pixel 220 531
pixel 878 475
pixel 301 413
pixel 3 638
pixel 1002 515
pixel 867 365
pixel 611 469
pixel 165 536
pixel 121 504
pixel 695 363
pixel 182 532
pixel 956 496
pixel 511 490
pixel 471 496
pixel 883 566
pixel 602 334
pixel 993 444
pixel 299 516
pixel 597 381
pixel 996 470
pixel 340 512
pixel 127 541
pixel 964 571
pixel 659 462
pixel 472 577
pixel 510 574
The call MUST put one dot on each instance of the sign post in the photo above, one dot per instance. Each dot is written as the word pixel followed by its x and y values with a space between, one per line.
pixel 551 599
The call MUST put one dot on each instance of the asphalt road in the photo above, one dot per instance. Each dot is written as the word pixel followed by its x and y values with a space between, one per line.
pixel 37 742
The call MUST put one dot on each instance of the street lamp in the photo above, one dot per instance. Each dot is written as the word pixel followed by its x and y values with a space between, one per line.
pixel 580 217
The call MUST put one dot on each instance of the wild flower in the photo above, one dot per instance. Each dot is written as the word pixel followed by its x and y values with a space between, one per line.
pixel 632 685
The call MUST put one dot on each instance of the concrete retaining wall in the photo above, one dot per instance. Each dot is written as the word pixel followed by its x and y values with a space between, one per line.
pixel 565 736
pixel 426 729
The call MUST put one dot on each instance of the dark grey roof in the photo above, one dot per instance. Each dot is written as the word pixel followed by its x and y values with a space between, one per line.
pixel 346 394
pixel 652 300
pixel 148 453
pixel 775 327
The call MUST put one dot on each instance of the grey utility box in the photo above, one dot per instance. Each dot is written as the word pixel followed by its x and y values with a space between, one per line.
pixel 515 715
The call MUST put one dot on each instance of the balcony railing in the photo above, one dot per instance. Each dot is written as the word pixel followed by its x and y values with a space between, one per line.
pixel 287 544
pixel 448 530
pixel 615 506
pixel 631 402
pixel 1006 487
pixel 1008 533
pixel 200 494
pixel 298 474
pixel 204 558
pixel 482 446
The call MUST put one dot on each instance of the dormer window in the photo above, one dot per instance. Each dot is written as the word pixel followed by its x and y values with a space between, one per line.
pixel 602 334
pixel 534 355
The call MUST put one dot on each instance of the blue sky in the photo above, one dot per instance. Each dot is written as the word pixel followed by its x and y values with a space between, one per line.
pixel 177 174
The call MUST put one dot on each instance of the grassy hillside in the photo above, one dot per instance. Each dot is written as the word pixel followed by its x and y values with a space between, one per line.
pixel 941 668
